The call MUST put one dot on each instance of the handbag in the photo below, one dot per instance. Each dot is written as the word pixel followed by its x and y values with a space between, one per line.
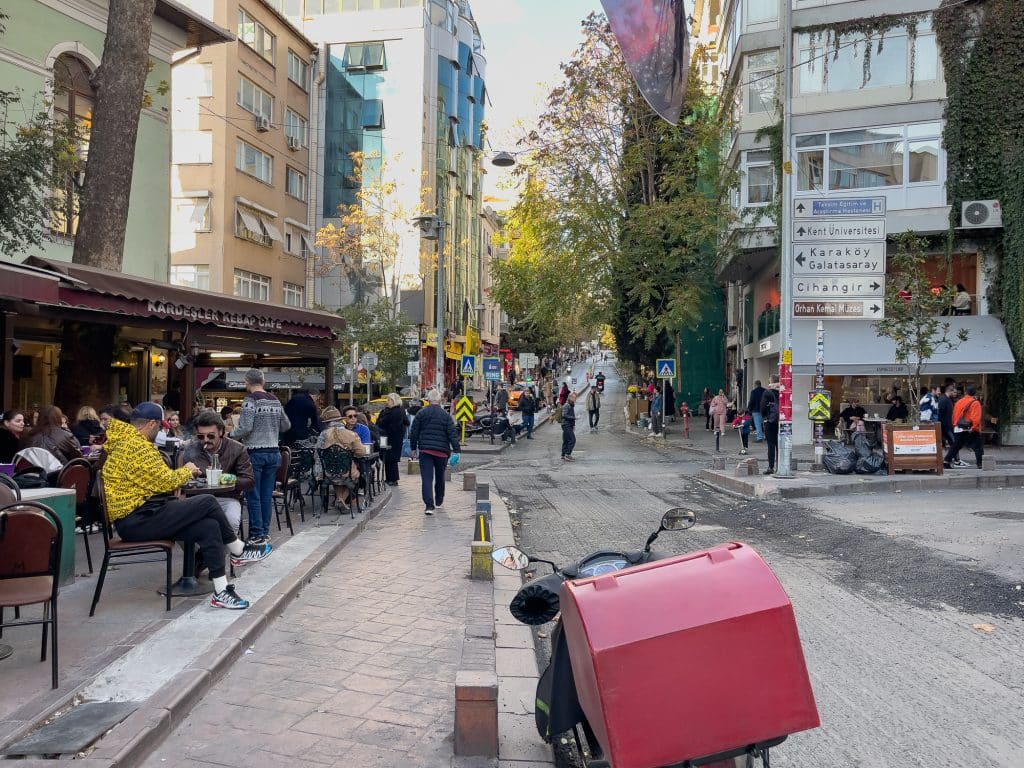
pixel 964 424
pixel 384 444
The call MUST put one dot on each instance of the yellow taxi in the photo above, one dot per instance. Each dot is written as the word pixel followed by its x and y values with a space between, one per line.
pixel 514 394
pixel 378 404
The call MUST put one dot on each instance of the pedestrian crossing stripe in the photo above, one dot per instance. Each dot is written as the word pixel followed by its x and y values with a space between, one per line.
pixel 464 409
pixel 468 365
pixel 666 369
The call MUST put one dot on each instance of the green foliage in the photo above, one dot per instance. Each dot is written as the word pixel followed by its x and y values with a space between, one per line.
pixel 377 330
pixel 912 310
pixel 36 155
pixel 984 135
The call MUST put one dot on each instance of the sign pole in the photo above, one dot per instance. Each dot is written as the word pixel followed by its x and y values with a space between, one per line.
pixel 784 465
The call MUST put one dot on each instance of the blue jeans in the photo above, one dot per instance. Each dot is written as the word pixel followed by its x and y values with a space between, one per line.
pixel 259 498
pixel 528 424
pixel 432 476
pixel 758 425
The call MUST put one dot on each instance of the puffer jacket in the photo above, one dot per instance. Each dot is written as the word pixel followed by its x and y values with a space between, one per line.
pixel 134 470
pixel 57 441
pixel 434 430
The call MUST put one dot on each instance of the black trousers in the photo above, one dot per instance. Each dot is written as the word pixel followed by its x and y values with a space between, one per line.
pixel 969 439
pixel 432 478
pixel 391 458
pixel 771 436
pixel 594 416
pixel 199 520
pixel 568 437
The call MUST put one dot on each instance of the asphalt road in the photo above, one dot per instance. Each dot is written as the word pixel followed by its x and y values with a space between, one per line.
pixel 910 606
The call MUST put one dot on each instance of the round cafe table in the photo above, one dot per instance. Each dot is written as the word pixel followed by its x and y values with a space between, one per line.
pixel 188 585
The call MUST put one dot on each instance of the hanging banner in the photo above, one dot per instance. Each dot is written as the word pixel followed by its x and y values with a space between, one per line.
pixel 786 386
pixel 654 43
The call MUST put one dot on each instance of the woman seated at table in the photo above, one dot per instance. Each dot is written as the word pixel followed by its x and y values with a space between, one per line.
pixel 898 411
pixel 170 435
pixel 87 426
pixel 11 430
pixel 51 436
pixel 334 433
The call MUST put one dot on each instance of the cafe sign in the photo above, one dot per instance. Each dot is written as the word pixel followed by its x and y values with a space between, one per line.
pixel 210 315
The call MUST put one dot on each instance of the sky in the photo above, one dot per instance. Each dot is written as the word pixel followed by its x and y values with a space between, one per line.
pixel 524 42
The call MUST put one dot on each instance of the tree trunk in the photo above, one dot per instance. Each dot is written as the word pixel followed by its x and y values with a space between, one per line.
pixel 120 84
pixel 83 374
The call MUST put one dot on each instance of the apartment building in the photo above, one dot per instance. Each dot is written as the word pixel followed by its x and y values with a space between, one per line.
pixel 867 122
pixel 402 82
pixel 241 173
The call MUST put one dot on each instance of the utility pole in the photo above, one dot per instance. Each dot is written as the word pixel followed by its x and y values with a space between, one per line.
pixel 784 465
pixel 441 332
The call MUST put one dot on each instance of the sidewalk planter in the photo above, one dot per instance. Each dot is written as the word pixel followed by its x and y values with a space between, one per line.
pixel 709 659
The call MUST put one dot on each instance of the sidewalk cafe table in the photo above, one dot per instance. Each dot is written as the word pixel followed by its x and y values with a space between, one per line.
pixel 62 502
pixel 188 585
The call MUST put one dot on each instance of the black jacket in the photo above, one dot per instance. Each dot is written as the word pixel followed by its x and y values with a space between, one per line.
pixel 10 445
pixel 301 412
pixel 770 406
pixel 85 429
pixel 527 403
pixel 946 414
pixel 392 422
pixel 434 430
pixel 754 404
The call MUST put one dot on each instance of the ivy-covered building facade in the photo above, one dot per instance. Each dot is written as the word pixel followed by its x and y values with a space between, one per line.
pixel 875 114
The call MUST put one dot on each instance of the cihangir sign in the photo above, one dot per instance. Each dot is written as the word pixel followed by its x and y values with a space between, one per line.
pixel 666 368
pixel 464 409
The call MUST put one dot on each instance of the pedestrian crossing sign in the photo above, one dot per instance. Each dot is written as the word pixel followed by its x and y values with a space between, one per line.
pixel 666 368
pixel 468 365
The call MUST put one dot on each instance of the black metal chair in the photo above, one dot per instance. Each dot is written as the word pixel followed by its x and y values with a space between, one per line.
pixel 337 462
pixel 280 495
pixel 77 475
pixel 30 547
pixel 300 468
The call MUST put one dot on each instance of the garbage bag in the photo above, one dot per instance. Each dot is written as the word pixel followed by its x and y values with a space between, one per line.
pixel 862 445
pixel 839 464
pixel 869 465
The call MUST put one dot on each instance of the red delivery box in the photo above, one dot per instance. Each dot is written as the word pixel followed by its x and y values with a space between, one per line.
pixel 687 657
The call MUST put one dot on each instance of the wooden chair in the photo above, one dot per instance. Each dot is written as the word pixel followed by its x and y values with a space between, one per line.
pixel 115 549
pixel 9 490
pixel 30 547
pixel 77 475
pixel 280 495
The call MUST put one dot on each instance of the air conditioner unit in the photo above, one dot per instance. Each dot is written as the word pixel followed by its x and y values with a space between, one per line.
pixel 981 214
pixel 294 144
pixel 262 123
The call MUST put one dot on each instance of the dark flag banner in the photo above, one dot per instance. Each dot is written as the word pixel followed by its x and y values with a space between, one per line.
pixel 653 39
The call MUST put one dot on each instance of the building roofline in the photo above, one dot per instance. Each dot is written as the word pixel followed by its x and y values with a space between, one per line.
pixel 291 27
pixel 201 31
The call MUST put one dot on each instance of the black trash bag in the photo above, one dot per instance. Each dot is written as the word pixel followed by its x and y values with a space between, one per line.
pixel 862 445
pixel 836 446
pixel 839 464
pixel 32 477
pixel 869 465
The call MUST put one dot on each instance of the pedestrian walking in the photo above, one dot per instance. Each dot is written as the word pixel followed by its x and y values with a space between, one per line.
pixel 719 411
pixel 434 440
pixel 569 427
pixel 657 406
pixel 260 426
pixel 945 406
pixel 754 407
pixel 966 430
pixel 528 408
pixel 770 420
pixel 501 399
pixel 563 394
pixel 742 423
pixel 705 405
pixel 928 405
pixel 392 424
pixel 593 408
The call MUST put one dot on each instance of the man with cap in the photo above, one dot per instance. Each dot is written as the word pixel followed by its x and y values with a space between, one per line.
pixel 335 433
pixel 139 488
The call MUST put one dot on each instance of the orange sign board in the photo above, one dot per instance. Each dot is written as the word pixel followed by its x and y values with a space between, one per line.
pixel 912 442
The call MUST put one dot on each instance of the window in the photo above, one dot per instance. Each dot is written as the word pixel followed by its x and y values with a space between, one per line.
pixel 191 276
pixel 254 99
pixel 73 98
pixel 252 161
pixel 821 71
pixel 298 71
pixel 191 214
pixel 295 183
pixel 294 295
pixel 373 114
pixel 762 77
pixel 296 127
pixel 255 35
pixel 762 10
pixel 191 147
pixel 869 158
pixel 364 57
pixel 758 178
pixel 248 226
pixel 249 285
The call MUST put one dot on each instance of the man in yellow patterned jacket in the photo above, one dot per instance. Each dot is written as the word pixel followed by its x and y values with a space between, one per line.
pixel 139 488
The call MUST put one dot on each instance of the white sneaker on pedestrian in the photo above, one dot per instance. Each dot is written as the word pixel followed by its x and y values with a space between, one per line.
pixel 743 451
pixel 428 511
pixel 960 463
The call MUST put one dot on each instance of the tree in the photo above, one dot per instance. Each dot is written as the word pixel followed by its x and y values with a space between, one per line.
pixel 36 155
pixel 377 329
pixel 913 311
pixel 365 245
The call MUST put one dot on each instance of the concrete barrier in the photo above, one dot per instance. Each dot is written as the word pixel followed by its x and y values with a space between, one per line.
pixel 469 481
pixel 481 566
pixel 476 713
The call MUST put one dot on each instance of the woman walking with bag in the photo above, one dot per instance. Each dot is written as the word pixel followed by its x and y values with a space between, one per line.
pixel 392 423
pixel 717 410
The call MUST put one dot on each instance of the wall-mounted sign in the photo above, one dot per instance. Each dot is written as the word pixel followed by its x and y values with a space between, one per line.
pixel 765 346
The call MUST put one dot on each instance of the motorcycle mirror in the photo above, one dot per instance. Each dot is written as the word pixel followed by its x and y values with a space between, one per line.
pixel 678 519
pixel 512 558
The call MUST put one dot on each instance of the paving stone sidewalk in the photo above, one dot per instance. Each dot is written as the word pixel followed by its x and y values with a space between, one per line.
pixel 360 669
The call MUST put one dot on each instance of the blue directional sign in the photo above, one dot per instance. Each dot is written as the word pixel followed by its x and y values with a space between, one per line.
pixel 468 364
pixel 666 368
pixel 839 206
pixel 492 368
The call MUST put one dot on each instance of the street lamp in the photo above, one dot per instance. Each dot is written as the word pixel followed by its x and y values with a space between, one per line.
pixel 432 228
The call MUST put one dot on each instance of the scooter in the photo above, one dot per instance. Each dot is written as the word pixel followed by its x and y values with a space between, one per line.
pixel 558 708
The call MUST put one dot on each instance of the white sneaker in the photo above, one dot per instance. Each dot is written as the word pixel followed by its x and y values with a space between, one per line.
pixel 960 463
pixel 438 506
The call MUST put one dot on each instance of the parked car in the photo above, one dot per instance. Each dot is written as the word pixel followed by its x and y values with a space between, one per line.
pixel 375 406
pixel 514 394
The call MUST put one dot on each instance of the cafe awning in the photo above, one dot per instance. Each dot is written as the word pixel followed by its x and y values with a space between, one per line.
pixel 854 348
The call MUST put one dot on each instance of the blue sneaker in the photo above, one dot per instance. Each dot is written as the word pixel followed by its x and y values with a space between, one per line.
pixel 229 599
pixel 252 553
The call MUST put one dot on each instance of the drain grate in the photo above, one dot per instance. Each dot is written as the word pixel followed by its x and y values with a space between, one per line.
pixel 74 731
